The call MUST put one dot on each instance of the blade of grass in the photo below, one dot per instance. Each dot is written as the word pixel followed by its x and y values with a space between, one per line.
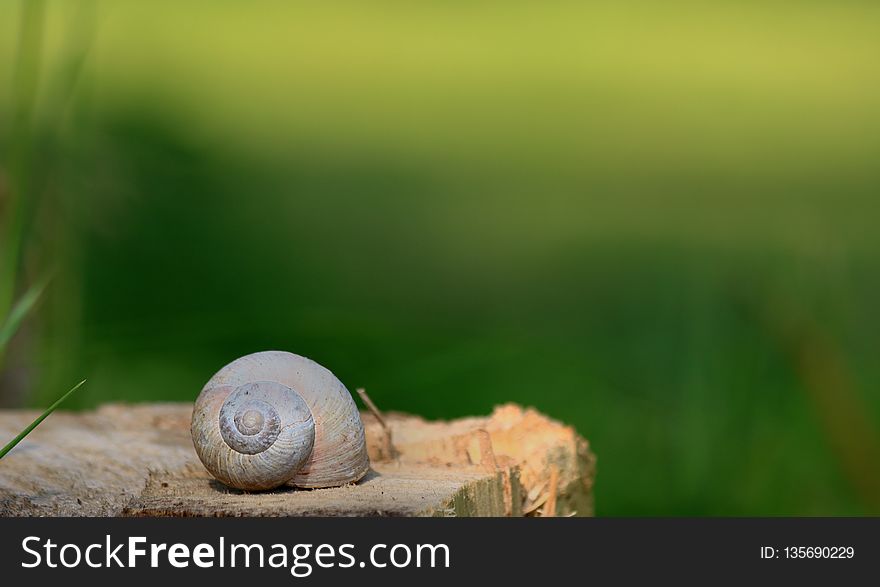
pixel 25 86
pixel 20 311
pixel 36 422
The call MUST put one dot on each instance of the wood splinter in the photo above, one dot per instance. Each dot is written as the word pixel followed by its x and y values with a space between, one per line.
pixel 389 450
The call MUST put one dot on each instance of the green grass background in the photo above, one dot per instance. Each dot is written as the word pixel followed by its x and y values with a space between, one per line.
pixel 654 221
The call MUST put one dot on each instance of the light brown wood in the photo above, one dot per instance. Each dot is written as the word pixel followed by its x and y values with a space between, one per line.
pixel 138 460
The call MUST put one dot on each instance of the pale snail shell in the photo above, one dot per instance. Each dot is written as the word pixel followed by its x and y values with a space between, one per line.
pixel 272 418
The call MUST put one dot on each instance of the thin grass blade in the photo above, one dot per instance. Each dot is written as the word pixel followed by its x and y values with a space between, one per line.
pixel 36 422
pixel 20 311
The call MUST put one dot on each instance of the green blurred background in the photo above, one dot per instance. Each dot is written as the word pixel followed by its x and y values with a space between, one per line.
pixel 654 221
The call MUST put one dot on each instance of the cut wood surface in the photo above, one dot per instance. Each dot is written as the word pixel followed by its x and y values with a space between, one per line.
pixel 138 460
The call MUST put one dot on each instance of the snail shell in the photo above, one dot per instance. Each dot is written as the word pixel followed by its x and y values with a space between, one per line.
pixel 272 418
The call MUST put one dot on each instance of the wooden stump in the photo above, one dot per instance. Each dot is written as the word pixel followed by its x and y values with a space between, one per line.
pixel 138 460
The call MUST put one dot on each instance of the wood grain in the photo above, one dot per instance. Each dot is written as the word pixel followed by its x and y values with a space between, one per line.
pixel 138 460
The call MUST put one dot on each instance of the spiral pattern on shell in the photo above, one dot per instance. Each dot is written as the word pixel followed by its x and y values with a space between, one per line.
pixel 272 418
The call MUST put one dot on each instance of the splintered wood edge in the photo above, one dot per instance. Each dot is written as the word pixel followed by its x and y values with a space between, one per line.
pixel 521 440
pixel 138 460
